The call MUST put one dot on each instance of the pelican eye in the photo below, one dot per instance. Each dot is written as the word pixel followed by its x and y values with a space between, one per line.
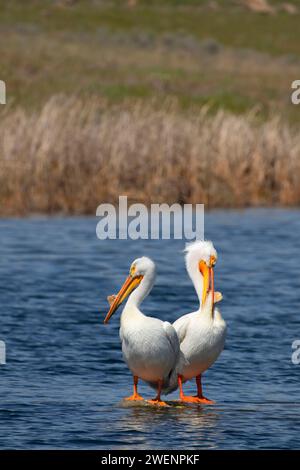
pixel 212 261
pixel 132 270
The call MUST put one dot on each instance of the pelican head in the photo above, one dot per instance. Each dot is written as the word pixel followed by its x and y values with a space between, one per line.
pixel 140 268
pixel 201 257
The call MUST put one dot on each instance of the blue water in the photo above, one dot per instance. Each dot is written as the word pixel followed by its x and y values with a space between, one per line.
pixel 65 377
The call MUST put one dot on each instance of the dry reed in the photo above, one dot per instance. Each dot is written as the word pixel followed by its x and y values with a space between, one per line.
pixel 74 154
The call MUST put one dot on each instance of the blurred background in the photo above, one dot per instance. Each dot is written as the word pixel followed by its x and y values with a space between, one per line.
pixel 162 100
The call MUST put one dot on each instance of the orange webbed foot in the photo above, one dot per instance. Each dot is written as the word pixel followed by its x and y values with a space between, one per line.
pixel 198 400
pixel 157 402
pixel 135 397
pixel 188 399
pixel 205 401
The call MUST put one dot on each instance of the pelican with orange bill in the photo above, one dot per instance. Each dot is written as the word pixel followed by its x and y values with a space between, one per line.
pixel 201 333
pixel 150 346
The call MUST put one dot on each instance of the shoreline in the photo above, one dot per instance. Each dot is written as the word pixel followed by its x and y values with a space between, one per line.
pixel 214 210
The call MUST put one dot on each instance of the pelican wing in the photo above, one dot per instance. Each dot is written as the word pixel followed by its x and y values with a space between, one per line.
pixel 181 326
pixel 172 337
pixel 171 383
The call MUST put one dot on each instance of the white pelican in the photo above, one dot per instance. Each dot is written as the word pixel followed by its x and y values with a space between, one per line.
pixel 201 333
pixel 150 346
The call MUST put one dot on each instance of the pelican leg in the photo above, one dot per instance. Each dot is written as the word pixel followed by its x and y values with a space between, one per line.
pixel 135 396
pixel 198 398
pixel 157 400
pixel 182 396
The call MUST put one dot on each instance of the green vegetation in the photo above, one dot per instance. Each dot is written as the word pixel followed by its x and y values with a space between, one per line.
pixel 230 25
pixel 226 58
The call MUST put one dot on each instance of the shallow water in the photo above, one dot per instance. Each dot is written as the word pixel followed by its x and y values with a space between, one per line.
pixel 65 377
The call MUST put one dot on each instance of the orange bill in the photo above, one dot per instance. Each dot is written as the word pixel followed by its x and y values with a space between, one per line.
pixel 208 280
pixel 129 285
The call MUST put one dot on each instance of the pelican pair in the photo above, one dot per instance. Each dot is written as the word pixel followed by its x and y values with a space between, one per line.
pixel 165 355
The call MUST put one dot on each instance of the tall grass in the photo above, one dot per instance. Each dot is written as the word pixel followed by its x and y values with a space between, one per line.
pixel 73 154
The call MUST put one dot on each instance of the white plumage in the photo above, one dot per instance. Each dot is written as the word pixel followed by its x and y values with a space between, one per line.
pixel 150 346
pixel 201 333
